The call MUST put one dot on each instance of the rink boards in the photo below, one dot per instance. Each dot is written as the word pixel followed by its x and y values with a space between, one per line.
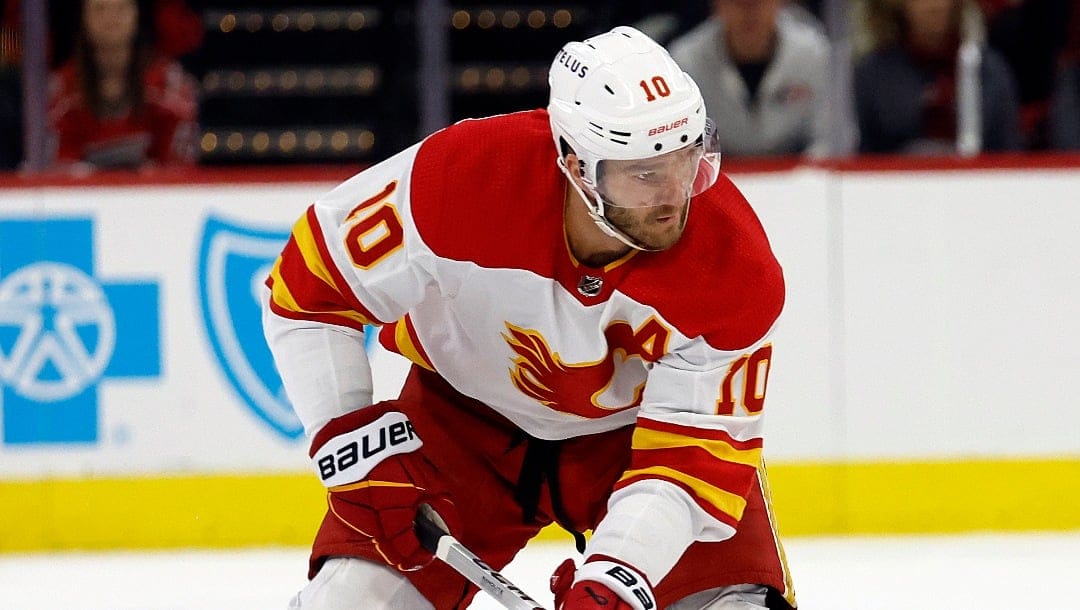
pixel 923 376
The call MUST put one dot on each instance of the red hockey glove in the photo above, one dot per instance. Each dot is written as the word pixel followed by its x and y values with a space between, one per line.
pixel 600 585
pixel 370 460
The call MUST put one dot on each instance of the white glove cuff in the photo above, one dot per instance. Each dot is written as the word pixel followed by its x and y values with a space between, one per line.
pixel 348 458
pixel 627 583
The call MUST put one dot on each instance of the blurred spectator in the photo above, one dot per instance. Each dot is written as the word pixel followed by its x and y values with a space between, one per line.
pixel 173 27
pixel 116 103
pixel 1030 35
pixel 763 71
pixel 661 20
pixel 905 87
pixel 1065 105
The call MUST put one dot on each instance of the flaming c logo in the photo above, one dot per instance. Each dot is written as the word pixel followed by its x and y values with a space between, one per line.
pixel 576 388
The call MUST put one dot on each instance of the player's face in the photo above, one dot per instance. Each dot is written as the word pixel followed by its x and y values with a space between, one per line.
pixel 659 181
pixel 649 199
pixel 652 228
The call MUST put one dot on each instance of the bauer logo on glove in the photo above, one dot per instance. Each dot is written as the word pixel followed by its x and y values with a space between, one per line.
pixel 349 457
pixel 377 479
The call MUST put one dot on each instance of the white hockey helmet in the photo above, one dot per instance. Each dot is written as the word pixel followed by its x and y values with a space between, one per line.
pixel 620 96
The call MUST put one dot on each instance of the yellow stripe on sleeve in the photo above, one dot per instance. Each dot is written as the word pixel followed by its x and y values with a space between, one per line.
pixel 283 298
pixel 280 290
pixel 406 347
pixel 304 237
pixel 645 438
pixel 727 502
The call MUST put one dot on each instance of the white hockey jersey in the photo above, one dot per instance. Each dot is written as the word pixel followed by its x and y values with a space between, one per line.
pixel 456 248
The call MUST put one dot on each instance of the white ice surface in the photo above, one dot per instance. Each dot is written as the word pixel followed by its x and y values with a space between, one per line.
pixel 976 572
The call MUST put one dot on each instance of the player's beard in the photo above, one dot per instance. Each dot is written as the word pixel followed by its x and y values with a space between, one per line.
pixel 644 227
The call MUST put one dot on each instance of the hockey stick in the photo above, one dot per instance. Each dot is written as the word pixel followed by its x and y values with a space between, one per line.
pixel 454 554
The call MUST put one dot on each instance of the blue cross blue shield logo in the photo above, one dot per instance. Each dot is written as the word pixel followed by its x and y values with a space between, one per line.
pixel 234 261
pixel 63 331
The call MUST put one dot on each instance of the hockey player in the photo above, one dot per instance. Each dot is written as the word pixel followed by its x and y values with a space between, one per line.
pixel 588 351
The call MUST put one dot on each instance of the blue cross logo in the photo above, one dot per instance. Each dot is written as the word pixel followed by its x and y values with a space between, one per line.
pixel 63 331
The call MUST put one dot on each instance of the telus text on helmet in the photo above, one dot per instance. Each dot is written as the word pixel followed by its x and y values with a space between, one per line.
pixel 672 125
pixel 572 63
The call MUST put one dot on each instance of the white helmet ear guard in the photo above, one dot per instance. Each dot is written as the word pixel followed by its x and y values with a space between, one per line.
pixel 618 96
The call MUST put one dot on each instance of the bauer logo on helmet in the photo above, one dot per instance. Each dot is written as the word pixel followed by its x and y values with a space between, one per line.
pixel 672 125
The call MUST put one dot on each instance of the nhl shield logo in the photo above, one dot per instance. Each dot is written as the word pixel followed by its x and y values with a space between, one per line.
pixel 234 261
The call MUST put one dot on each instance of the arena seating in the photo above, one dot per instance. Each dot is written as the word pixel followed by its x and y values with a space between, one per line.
pixel 338 81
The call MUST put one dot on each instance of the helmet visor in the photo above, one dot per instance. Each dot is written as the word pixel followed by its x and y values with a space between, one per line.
pixel 667 179
pixel 709 166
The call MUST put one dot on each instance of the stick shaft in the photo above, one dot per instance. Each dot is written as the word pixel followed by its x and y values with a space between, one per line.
pixel 457 556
